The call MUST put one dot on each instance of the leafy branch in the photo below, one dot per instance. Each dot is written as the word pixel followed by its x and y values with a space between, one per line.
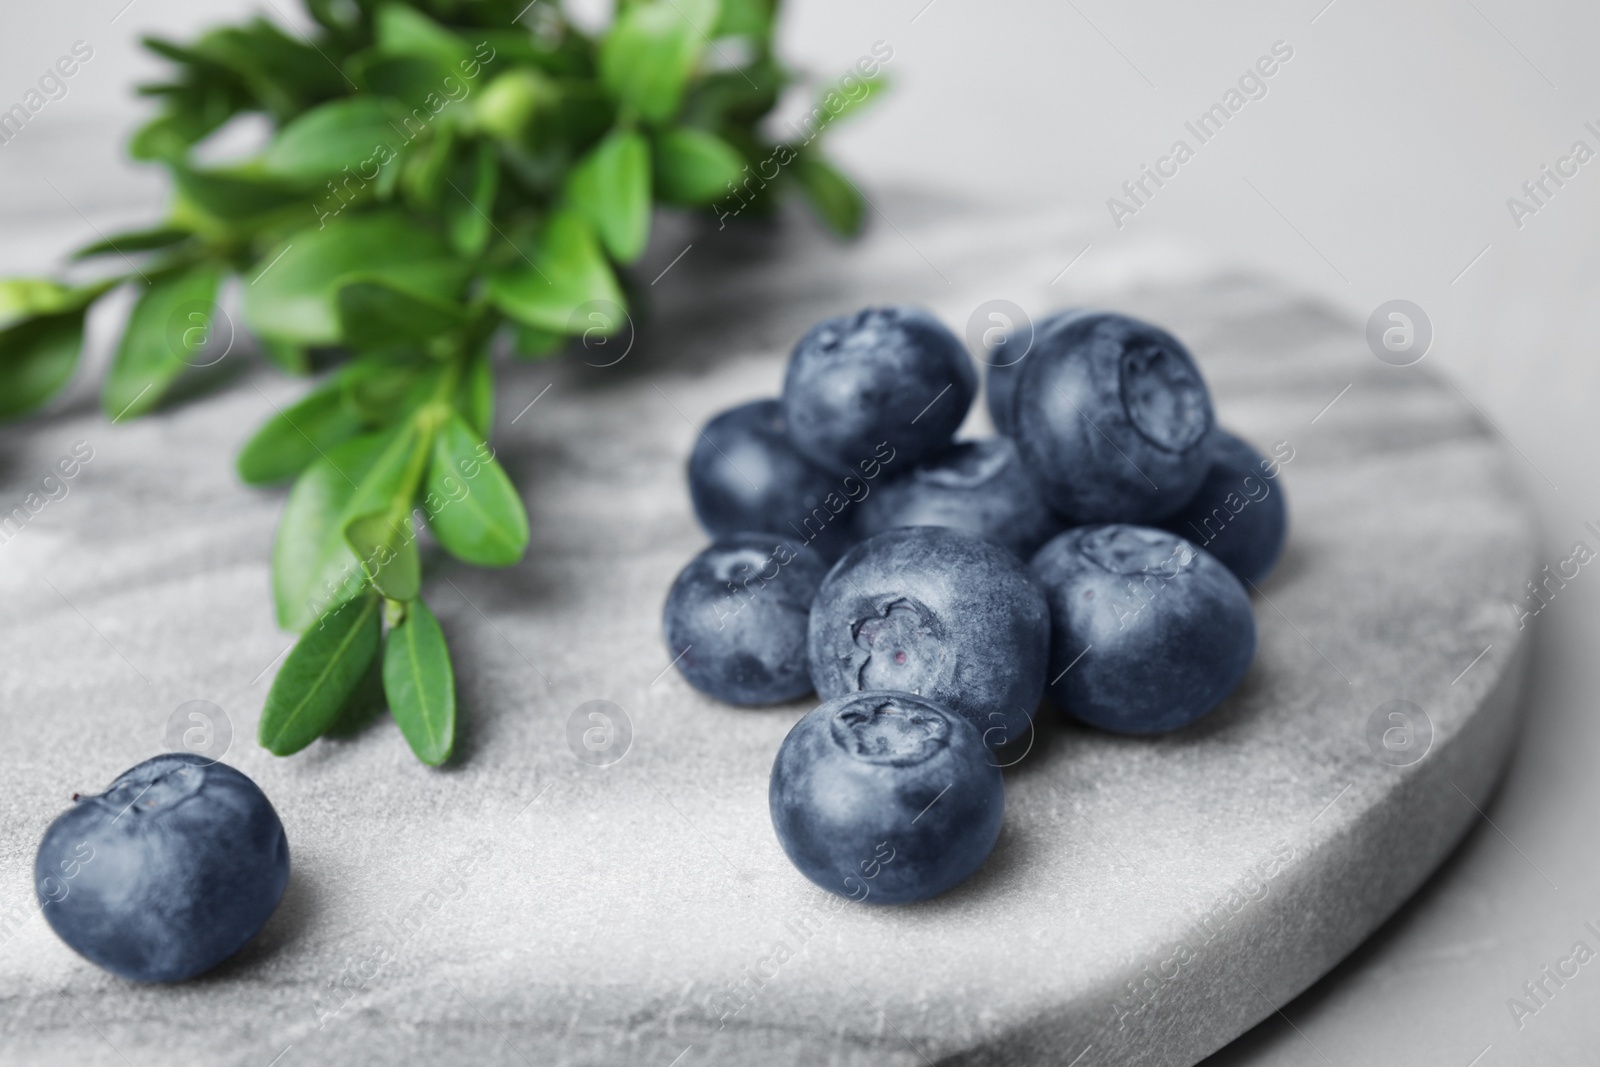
pixel 443 182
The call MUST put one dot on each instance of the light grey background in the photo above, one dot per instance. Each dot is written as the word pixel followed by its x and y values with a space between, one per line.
pixel 1378 166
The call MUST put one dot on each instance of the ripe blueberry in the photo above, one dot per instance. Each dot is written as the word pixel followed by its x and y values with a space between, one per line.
pixel 884 375
pixel 165 874
pixel 977 487
pixel 885 797
pixel 1111 416
pixel 745 475
pixel 1148 633
pixel 1004 368
pixel 735 618
pixel 938 613
pixel 1239 514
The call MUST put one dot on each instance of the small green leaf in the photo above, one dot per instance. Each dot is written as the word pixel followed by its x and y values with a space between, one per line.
pixel 477 395
pixel 386 546
pixel 421 684
pixel 293 438
pixel 469 209
pixel 135 241
pixel 291 292
pixel 694 167
pixel 572 271
pixel 333 136
pixel 169 325
pixel 650 51
pixel 322 672
pixel 830 195
pixel 610 187
pixel 405 79
pixel 379 388
pixel 374 313
pixel 231 197
pixel 37 358
pixel 404 31
pixel 364 705
pixel 488 525
pixel 745 18
pixel 838 103
pixel 531 343
pixel 312 566
pixel 511 101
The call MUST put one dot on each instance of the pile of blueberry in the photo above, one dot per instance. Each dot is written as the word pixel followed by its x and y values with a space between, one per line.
pixel 934 591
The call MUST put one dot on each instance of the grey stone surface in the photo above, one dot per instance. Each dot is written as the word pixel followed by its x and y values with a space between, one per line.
pixel 520 906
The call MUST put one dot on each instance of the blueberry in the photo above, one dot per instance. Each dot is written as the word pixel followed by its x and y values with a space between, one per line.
pixel 1111 415
pixel 977 487
pixel 890 384
pixel 930 611
pixel 1005 367
pixel 1239 514
pixel 735 618
pixel 165 874
pixel 885 797
pixel 1148 633
pixel 745 475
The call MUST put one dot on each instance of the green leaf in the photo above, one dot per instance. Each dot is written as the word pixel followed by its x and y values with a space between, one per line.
pixel 404 31
pixel 386 546
pixel 230 197
pixel 488 525
pixel 294 438
pixel 694 167
pixel 37 358
pixel 374 313
pixel 364 705
pixel 135 241
pixel 379 387
pixel 292 294
pixel 745 18
pixel 333 136
pixel 531 343
pixel 421 684
pixel 477 395
pixel 610 187
pixel 322 672
pixel 469 209
pixel 312 566
pixel 572 271
pixel 403 78
pixel 511 101
pixel 837 104
pixel 25 298
pixel 830 195
pixel 169 325
pixel 650 51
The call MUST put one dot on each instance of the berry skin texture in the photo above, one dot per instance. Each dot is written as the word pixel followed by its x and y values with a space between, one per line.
pixel 167 873
pixel 1239 515
pixel 1167 628
pixel 977 487
pixel 735 618
pixel 1003 369
pixel 940 614
pixel 883 375
pixel 1111 416
pixel 745 475
pixel 885 798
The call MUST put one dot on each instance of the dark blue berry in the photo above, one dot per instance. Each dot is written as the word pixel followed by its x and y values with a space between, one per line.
pixel 167 873
pixel 1148 633
pixel 1239 514
pixel 947 616
pixel 977 487
pixel 885 798
pixel 735 618
pixel 1003 363
pixel 1111 416
pixel 894 376
pixel 745 475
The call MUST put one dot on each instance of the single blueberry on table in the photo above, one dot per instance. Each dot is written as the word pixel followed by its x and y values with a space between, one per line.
pixel 977 487
pixel 735 618
pixel 744 475
pixel 1148 633
pixel 1239 515
pixel 886 798
pixel 894 377
pixel 938 613
pixel 1111 416
pixel 1004 367
pixel 165 874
